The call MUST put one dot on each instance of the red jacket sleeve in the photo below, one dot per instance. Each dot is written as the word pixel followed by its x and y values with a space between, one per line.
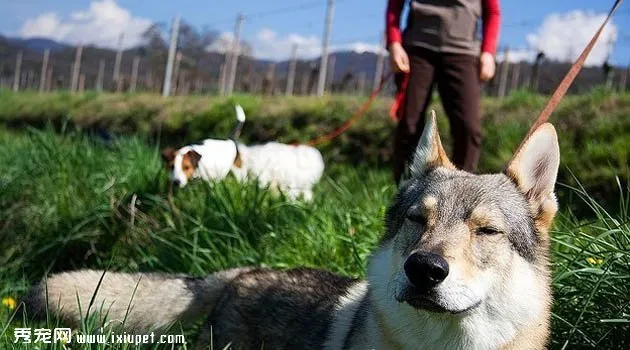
pixel 392 21
pixel 491 20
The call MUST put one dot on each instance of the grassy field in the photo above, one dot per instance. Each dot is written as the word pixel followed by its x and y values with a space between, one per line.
pixel 594 128
pixel 70 200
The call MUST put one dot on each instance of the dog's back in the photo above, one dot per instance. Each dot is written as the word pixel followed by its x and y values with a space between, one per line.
pixel 291 309
pixel 217 158
pixel 293 169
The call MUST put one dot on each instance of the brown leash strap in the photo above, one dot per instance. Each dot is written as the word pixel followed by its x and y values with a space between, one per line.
pixel 356 116
pixel 566 82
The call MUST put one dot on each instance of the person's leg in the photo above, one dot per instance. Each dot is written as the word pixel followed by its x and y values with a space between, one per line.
pixel 460 92
pixel 418 97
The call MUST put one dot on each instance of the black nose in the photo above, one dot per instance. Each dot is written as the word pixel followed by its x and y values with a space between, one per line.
pixel 425 270
pixel 176 182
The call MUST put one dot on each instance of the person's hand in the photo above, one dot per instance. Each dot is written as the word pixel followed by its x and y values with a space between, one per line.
pixel 487 66
pixel 398 58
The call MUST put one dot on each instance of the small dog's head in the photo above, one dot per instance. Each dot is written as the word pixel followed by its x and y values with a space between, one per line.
pixel 460 240
pixel 181 164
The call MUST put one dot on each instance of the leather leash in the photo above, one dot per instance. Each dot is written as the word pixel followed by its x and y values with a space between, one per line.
pixel 356 116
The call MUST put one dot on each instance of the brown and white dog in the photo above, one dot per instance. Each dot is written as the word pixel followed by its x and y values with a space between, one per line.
pixel 290 169
pixel 210 160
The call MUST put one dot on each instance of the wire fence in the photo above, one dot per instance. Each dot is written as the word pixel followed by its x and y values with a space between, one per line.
pixel 357 75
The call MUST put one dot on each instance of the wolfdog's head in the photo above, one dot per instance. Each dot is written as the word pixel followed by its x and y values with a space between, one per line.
pixel 459 242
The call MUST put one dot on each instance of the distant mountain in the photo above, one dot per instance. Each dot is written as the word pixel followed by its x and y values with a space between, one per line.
pixel 343 62
pixel 38 44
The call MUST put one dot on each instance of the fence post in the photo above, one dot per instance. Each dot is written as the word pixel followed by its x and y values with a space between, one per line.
pixel 76 69
pixel 81 83
pixel 118 61
pixel 177 83
pixel 291 73
pixel 361 83
pixel 148 80
pixel 516 74
pixel 304 83
pixel 49 76
pixel 380 65
pixel 172 48
pixel 100 76
pixel 321 82
pixel 42 75
pixel 120 82
pixel 183 85
pixel 536 72
pixel 222 76
pixel 270 77
pixel 134 74
pixel 236 47
pixel 30 79
pixel 609 73
pixel 18 72
pixel 505 67
pixel 330 76
pixel 198 86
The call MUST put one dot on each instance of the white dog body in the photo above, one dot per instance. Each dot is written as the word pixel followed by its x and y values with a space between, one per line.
pixel 293 170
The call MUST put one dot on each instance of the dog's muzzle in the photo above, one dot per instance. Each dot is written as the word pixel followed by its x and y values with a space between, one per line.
pixel 424 271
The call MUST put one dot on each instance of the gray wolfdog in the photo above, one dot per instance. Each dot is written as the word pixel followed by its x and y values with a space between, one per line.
pixel 463 264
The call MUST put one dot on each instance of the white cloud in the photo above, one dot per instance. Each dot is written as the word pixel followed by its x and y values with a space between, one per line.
pixel 268 44
pixel 518 55
pixel 100 24
pixel 563 36
pixel 47 25
pixel 223 43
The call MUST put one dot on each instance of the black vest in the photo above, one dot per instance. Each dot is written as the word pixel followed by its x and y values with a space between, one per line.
pixel 444 25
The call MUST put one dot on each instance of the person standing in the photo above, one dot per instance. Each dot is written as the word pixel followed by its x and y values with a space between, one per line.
pixel 440 46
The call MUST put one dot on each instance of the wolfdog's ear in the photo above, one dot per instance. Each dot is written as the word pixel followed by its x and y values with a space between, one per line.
pixel 429 152
pixel 534 168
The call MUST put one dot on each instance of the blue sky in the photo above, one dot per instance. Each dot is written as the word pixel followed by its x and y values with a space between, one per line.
pixel 357 23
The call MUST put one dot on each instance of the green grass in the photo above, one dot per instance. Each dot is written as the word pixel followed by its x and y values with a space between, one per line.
pixel 66 203
pixel 594 128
